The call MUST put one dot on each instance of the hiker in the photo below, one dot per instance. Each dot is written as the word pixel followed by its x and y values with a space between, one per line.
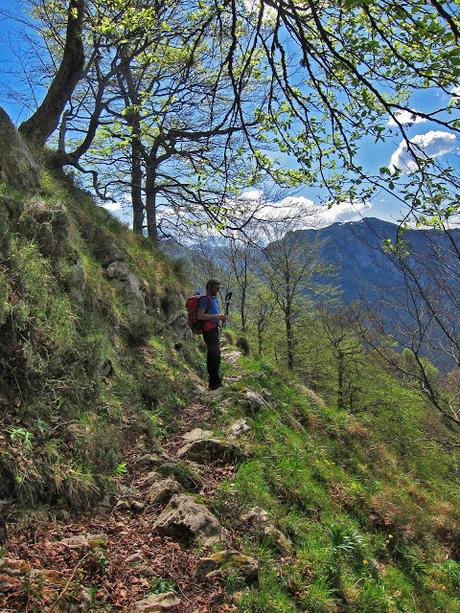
pixel 209 313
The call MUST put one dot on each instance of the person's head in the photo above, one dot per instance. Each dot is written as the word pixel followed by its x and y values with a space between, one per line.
pixel 213 286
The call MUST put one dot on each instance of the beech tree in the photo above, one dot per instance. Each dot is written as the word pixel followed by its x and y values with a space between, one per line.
pixel 427 302
pixel 289 267
pixel 330 75
pixel 39 127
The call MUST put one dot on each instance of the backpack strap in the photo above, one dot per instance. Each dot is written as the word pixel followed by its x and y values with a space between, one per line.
pixel 208 306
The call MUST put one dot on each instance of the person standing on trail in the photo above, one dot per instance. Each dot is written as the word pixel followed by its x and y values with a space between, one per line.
pixel 209 313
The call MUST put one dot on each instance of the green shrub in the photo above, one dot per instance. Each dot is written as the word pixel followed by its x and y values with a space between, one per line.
pixel 243 344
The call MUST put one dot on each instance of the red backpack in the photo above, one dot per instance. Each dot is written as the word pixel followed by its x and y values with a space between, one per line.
pixel 196 325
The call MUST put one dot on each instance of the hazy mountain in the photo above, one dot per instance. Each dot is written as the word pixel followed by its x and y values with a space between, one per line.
pixel 364 271
pixel 355 250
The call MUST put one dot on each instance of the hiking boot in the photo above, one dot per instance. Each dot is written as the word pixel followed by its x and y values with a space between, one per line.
pixel 215 386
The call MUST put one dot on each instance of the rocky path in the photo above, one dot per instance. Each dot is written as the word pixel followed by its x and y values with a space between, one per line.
pixel 151 550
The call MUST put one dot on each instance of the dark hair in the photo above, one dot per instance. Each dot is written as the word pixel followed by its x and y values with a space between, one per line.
pixel 212 283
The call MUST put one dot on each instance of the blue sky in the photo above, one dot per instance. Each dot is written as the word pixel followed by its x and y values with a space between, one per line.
pixel 434 139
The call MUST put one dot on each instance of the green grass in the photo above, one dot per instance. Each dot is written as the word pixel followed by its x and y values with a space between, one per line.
pixel 81 376
pixel 368 533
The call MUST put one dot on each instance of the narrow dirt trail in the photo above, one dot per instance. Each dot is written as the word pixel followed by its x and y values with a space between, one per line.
pixel 56 576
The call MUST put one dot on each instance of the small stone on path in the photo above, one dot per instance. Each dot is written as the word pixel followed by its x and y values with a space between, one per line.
pixel 158 602
pixel 226 562
pixel 161 491
pixel 210 449
pixel 238 428
pixel 188 521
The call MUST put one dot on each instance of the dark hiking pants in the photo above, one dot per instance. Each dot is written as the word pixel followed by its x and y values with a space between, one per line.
pixel 211 338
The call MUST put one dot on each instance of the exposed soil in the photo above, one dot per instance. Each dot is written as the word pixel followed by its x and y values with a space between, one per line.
pixel 115 576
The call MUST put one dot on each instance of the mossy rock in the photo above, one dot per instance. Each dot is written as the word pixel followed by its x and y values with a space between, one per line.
pixel 229 562
pixel 47 223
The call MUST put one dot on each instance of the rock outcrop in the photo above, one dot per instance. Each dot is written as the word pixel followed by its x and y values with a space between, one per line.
pixel 189 522
pixel 259 520
pixel 203 447
pixel 255 402
pixel 162 491
pixel 129 285
pixel 18 167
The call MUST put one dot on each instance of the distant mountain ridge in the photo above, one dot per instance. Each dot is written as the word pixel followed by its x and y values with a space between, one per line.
pixel 355 249
pixel 362 269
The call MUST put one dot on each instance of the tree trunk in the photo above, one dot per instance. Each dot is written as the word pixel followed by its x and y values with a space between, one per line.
pixel 151 206
pixel 136 188
pixel 259 338
pixel 289 339
pixel 38 128
pixel 340 380
pixel 243 309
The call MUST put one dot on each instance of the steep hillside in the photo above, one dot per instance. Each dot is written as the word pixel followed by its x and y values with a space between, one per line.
pixel 126 486
pixel 84 310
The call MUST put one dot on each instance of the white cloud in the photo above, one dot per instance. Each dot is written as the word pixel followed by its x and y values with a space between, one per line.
pixel 342 212
pixel 405 117
pixel 432 144
pixel 307 214
pixel 253 6
pixel 252 194
pixel 112 206
pixel 456 91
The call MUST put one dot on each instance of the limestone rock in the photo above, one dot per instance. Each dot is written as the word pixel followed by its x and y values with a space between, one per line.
pixel 158 602
pixel 86 541
pixel 129 286
pixel 279 540
pixel 150 478
pixel 197 434
pixel 209 449
pixel 177 324
pixel 187 475
pixel 77 282
pixel 137 506
pixel 188 521
pixel 17 164
pixel 260 520
pixel 109 252
pixel 162 491
pixel 238 428
pixel 256 516
pixel 144 570
pixel 229 561
pixel 255 402
pixel 153 459
pixel 135 558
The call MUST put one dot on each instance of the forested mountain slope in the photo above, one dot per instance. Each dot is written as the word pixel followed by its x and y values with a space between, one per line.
pixel 402 277
pixel 356 250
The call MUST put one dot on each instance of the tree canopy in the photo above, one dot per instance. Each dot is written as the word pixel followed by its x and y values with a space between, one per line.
pixel 213 92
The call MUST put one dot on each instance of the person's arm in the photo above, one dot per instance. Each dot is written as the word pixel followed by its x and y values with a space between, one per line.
pixel 202 316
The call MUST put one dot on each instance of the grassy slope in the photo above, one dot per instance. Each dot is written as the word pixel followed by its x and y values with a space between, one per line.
pixel 372 531
pixel 80 374
pixel 373 525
